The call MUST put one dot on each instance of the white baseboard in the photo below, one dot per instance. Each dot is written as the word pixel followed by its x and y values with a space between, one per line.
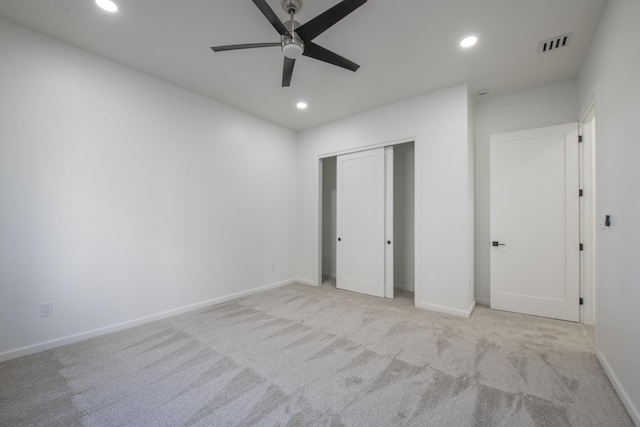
pixel 483 301
pixel 306 282
pixel 70 339
pixel 632 409
pixel 454 311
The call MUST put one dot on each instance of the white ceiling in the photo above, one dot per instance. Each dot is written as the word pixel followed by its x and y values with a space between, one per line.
pixel 404 47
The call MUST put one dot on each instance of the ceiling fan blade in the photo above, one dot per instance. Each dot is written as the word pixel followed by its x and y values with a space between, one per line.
pixel 315 51
pixel 287 71
pixel 322 22
pixel 271 16
pixel 242 46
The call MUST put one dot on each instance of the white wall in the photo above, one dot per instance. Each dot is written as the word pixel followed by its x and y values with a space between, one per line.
pixel 403 216
pixel 545 106
pixel 123 197
pixel 329 233
pixel 437 122
pixel 612 73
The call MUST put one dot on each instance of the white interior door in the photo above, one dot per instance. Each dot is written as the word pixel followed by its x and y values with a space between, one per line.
pixel 535 222
pixel 360 222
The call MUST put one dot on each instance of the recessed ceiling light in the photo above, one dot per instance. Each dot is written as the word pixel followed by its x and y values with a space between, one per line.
pixel 301 105
pixel 107 5
pixel 469 41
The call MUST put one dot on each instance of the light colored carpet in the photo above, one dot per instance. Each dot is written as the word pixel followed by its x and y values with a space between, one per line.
pixel 302 355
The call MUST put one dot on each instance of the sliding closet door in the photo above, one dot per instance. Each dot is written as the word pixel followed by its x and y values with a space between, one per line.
pixel 360 219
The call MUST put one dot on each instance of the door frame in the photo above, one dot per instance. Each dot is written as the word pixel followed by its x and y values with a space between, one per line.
pixel 588 218
pixel 416 252
pixel 389 257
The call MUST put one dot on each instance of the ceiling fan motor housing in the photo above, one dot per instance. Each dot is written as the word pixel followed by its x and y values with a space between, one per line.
pixel 291 6
pixel 292 48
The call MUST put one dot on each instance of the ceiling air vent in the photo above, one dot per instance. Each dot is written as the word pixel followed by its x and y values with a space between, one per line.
pixel 554 43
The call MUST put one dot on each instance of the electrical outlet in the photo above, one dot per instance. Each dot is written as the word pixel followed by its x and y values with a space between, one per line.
pixel 46 309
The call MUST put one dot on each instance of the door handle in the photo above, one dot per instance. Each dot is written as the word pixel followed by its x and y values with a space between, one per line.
pixel 388 242
pixel 498 244
pixel 339 239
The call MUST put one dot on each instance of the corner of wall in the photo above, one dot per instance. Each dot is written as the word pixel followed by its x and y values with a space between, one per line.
pixel 471 132
pixel 466 313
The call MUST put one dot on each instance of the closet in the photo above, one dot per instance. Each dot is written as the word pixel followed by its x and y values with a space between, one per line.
pixel 368 221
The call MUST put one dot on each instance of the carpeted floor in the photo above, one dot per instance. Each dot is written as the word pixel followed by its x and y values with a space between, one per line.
pixel 302 355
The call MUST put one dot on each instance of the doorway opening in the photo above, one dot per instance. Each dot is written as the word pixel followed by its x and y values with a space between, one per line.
pixel 403 208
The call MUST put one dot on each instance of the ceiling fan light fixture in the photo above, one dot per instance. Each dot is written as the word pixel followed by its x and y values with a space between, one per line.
pixel 107 5
pixel 292 48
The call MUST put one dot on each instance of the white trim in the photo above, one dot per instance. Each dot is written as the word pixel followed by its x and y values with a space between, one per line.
pixel 417 223
pixel 70 339
pixel 588 218
pixel 483 301
pixel 448 310
pixel 633 411
pixel 368 147
pixel 320 218
pixel 306 282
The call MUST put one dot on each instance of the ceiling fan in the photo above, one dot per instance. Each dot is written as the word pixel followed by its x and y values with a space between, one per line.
pixel 296 39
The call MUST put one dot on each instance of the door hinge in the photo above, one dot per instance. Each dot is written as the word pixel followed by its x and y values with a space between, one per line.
pixel 580 138
pixel 581 301
pixel 581 193
pixel 581 247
